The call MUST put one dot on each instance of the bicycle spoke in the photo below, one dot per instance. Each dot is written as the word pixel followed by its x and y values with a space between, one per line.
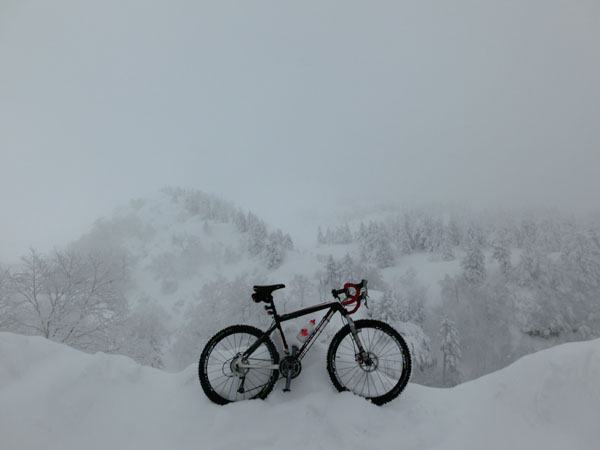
pixel 353 355
pixel 225 380
pixel 376 375
pixel 364 375
pixel 358 371
pixel 379 340
pixel 346 370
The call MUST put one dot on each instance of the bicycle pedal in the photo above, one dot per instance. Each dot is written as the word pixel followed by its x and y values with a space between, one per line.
pixel 288 381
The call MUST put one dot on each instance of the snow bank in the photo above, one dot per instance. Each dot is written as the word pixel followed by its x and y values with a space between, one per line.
pixel 53 397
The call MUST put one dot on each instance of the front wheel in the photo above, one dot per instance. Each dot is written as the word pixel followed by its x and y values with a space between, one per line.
pixel 222 378
pixel 380 374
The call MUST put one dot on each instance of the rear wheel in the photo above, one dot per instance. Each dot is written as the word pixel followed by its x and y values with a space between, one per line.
pixel 221 378
pixel 380 375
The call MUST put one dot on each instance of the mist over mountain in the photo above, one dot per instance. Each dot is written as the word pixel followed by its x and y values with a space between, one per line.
pixel 293 109
pixel 180 237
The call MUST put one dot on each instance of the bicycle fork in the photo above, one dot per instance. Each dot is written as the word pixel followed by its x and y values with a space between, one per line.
pixel 363 355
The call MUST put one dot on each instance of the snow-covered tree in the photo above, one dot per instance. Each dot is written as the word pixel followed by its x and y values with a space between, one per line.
pixel 143 335
pixel 320 236
pixel 386 309
pixel 205 206
pixel 257 235
pixel 273 252
pixel 376 245
pixel 451 352
pixel 529 269
pixel 392 308
pixel 367 271
pixel 240 221
pixel 434 234
pixel 473 263
pixel 287 242
pixel 6 310
pixel 68 298
pixel 501 252
pixel 580 259
pixel 345 235
pixel 301 290
pixel 338 236
pixel 419 344
pixel 400 236
pixel 402 306
pixel 366 241
pixel 454 232
pixel 361 234
pixel 404 301
pixel 333 278
pixel 447 251
pixel 347 269
pixel 527 233
pixel 384 253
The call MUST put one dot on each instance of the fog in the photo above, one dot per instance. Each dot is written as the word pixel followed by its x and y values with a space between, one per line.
pixel 293 109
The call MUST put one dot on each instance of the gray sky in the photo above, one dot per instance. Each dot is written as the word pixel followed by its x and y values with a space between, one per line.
pixel 292 107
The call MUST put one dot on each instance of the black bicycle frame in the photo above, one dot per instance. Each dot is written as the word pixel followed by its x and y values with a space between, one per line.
pixel 277 320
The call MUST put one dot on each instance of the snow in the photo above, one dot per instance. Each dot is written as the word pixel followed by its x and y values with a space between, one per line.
pixel 54 397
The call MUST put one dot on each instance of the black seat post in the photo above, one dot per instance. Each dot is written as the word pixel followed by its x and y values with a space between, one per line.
pixel 272 306
pixel 265 294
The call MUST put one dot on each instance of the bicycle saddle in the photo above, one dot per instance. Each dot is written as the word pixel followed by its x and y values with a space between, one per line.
pixel 267 289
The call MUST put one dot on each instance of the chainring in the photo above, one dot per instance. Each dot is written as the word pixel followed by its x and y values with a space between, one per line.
pixel 291 365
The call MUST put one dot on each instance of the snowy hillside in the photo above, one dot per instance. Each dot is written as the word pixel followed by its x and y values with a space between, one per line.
pixel 175 240
pixel 54 397
pixel 178 265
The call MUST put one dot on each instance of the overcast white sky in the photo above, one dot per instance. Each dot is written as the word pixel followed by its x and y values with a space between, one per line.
pixel 288 107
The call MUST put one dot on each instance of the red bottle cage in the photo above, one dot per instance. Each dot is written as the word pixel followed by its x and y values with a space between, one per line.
pixel 354 298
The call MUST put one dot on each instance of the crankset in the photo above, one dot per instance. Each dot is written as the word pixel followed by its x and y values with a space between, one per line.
pixel 290 367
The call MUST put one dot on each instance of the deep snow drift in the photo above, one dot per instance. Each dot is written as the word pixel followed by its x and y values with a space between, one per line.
pixel 54 397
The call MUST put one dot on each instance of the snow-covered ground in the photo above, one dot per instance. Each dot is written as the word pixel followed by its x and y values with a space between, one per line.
pixel 54 397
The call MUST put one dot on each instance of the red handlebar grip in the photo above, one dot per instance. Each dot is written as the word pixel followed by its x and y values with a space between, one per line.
pixel 352 298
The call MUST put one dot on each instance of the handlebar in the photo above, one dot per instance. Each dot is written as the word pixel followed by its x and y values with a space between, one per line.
pixel 354 298
pixel 337 292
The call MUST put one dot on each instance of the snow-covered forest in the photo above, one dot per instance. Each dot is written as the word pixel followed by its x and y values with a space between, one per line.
pixel 472 291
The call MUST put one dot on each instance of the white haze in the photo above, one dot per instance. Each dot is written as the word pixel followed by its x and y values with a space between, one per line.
pixel 293 107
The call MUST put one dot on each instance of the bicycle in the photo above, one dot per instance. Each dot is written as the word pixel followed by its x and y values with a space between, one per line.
pixel 367 357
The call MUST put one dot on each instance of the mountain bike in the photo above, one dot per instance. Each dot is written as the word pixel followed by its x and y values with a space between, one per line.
pixel 367 357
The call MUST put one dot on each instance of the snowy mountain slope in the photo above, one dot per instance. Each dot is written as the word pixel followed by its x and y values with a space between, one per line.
pixel 175 240
pixel 55 397
pixel 188 260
